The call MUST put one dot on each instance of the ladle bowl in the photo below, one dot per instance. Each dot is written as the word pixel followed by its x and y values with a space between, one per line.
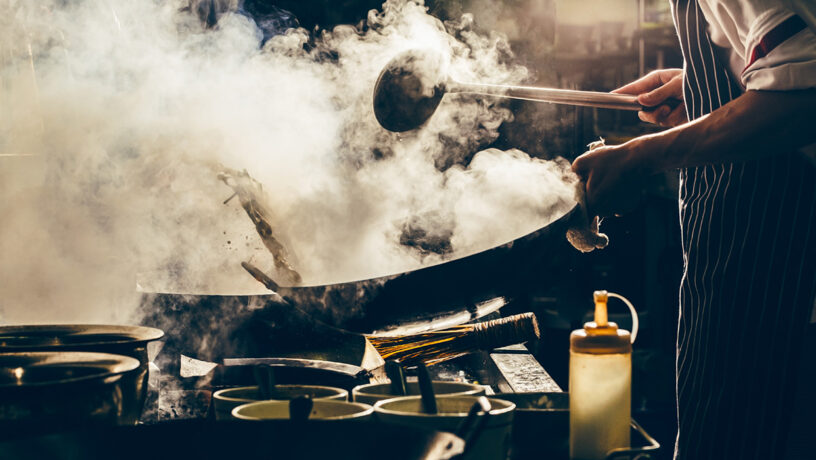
pixel 411 86
pixel 408 90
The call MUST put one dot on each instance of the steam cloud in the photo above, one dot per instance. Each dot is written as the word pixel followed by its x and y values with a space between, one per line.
pixel 116 116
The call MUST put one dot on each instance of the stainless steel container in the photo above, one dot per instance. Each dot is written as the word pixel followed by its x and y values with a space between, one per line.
pixel 51 390
pixel 491 442
pixel 122 340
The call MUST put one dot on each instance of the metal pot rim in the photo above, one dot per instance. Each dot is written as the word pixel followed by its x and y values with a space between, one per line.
pixel 364 409
pixel 440 386
pixel 509 407
pixel 224 394
pixel 130 335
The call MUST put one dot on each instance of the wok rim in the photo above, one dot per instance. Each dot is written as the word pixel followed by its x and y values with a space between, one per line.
pixel 285 289
pixel 532 234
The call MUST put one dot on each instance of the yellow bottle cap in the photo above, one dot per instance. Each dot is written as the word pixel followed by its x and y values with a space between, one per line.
pixel 600 336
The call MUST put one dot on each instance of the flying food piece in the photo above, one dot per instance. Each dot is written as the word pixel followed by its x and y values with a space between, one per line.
pixel 246 188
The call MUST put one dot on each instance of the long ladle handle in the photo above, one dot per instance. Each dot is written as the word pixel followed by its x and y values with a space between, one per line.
pixel 558 96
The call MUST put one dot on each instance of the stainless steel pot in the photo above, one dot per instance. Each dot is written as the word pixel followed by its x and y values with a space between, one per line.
pixel 122 340
pixel 490 441
pixel 51 390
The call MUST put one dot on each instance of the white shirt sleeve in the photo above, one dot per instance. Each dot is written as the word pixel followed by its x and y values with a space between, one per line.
pixel 742 24
pixel 790 65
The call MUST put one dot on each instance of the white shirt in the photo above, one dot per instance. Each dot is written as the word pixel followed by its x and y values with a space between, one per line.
pixel 738 26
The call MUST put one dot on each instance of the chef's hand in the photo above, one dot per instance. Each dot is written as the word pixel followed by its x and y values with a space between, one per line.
pixel 653 90
pixel 613 179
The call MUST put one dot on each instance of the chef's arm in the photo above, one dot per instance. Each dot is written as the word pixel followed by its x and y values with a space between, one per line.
pixel 754 124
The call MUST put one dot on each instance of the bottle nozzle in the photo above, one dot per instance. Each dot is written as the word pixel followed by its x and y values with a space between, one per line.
pixel 601 318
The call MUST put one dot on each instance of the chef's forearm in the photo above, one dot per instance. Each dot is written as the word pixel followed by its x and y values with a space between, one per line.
pixel 755 124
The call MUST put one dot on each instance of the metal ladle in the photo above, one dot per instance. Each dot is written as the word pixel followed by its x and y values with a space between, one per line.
pixel 411 86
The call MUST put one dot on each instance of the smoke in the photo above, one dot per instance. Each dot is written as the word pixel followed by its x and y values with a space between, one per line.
pixel 117 115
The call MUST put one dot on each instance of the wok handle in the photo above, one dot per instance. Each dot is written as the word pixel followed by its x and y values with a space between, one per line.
pixel 557 96
pixel 470 429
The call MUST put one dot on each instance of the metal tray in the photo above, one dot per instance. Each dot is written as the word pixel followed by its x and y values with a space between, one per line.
pixel 541 430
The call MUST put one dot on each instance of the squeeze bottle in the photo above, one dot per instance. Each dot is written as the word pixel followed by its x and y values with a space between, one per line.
pixel 600 382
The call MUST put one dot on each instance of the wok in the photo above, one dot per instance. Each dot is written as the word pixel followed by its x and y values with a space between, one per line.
pixel 121 340
pixel 453 292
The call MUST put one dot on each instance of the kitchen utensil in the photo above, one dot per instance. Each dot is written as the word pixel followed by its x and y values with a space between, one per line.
pixel 411 86
pixel 322 409
pixel 227 399
pixel 373 392
pixel 116 339
pixel 396 374
pixel 437 346
pixel 300 408
pixel 426 389
pixel 492 443
pixel 471 427
pixel 50 390
pixel 265 378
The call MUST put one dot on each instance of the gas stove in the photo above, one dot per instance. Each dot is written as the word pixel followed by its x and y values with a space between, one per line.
pixel 172 396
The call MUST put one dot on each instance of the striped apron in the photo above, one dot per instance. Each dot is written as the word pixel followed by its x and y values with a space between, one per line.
pixel 748 287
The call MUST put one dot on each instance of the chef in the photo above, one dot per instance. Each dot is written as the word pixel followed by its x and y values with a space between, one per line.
pixel 742 142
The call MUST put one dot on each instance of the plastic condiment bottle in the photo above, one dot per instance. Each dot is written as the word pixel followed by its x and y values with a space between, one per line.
pixel 600 382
